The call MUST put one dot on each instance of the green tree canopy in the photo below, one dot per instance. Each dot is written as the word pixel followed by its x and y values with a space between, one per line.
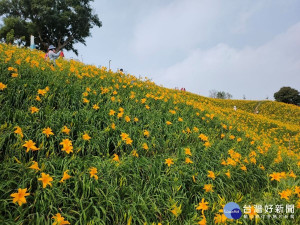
pixel 59 22
pixel 287 95
pixel 219 94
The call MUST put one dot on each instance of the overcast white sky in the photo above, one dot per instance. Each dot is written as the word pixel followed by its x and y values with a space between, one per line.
pixel 244 47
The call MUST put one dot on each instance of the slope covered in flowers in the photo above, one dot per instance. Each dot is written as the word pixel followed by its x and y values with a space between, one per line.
pixel 285 113
pixel 83 145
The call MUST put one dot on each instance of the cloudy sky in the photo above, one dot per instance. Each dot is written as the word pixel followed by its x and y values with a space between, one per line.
pixel 244 47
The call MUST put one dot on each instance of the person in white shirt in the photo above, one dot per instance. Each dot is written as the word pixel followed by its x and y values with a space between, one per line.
pixel 52 54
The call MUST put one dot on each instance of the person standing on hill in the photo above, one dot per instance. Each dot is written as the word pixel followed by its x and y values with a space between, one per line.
pixel 52 54
pixel 62 55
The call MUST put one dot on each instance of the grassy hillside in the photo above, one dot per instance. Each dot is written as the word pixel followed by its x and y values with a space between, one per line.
pixel 271 110
pixel 98 147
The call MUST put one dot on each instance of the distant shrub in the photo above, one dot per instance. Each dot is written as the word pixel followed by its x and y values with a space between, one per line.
pixel 287 95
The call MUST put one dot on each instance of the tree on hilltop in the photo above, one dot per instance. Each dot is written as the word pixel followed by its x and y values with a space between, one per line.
pixel 219 94
pixel 288 95
pixel 61 23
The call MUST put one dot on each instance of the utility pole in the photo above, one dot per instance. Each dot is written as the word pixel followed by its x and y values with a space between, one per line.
pixel 109 64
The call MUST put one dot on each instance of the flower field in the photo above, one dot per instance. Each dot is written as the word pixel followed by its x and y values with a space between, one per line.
pixel 84 145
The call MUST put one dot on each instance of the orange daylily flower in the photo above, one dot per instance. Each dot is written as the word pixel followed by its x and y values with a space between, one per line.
pixel 86 137
pixel 19 131
pixel 35 166
pixel 169 161
pixel 46 180
pixel 66 176
pixel 59 220
pixel 19 197
pixel 93 172
pixel 202 205
pixel 48 131
pixel 30 145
